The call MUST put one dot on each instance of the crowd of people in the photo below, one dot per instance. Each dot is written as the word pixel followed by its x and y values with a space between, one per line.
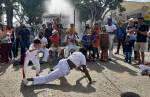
pixel 132 36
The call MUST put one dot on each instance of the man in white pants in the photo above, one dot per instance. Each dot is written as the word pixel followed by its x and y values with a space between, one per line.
pixel 110 29
pixel 32 55
pixel 76 60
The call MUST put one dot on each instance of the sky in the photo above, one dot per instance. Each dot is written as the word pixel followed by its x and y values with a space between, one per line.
pixel 139 0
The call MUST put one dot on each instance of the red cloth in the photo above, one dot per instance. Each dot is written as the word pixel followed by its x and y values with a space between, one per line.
pixel 55 39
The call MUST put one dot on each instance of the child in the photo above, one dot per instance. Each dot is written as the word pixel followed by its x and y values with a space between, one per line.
pixel 128 49
pixel 86 43
pixel 32 55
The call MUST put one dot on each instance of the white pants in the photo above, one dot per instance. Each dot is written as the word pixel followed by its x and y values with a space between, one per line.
pixel 46 54
pixel 111 44
pixel 33 57
pixel 60 70
pixel 68 48
pixel 144 67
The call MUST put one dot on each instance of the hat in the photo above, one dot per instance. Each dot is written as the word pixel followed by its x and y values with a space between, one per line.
pixel 54 32
pixel 131 19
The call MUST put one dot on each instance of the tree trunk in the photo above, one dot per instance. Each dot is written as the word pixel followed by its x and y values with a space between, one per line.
pixel 104 14
pixel 9 13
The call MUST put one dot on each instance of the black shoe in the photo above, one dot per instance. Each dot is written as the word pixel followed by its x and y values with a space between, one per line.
pixel 116 53
pixel 129 61
pixel 110 59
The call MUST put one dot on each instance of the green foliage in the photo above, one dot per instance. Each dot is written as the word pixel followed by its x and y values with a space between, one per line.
pixel 33 9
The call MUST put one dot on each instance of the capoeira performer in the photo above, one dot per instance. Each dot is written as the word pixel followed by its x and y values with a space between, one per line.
pixel 75 61
pixel 43 49
pixel 145 70
pixel 32 55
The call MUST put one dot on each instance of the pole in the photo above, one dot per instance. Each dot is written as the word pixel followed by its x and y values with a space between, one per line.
pixel 74 17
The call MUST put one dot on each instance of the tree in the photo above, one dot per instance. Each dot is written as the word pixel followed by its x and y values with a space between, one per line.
pixel 1 9
pixel 34 10
pixel 95 9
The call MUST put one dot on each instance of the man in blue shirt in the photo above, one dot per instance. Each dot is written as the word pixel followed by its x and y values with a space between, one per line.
pixel 24 37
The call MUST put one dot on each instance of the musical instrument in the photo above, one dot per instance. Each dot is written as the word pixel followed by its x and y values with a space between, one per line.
pixel 104 45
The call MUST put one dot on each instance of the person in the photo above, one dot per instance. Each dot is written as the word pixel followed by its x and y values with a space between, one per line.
pixel 43 28
pixel 128 49
pixel 48 33
pixel 6 44
pixel 121 35
pixel 110 29
pixel 71 40
pixel 45 51
pixel 86 41
pixel 55 48
pixel 76 60
pixel 17 41
pixel 132 26
pixel 12 54
pixel 24 37
pixel 141 40
pixel 95 40
pixel 145 70
pixel 129 94
pixel 32 55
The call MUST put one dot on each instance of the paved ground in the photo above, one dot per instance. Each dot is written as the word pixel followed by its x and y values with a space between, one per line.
pixel 111 78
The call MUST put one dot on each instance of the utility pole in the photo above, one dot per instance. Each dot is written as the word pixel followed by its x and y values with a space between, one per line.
pixel 74 17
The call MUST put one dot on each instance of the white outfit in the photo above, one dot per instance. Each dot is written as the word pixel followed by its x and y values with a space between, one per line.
pixel 32 56
pixel 71 45
pixel 61 69
pixel 144 67
pixel 110 30
pixel 44 50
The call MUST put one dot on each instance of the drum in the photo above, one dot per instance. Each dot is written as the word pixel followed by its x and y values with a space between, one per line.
pixel 104 45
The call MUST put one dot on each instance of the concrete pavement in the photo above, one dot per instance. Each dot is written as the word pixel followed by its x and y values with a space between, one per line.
pixel 112 79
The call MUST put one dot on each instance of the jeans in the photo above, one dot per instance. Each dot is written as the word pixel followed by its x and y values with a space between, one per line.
pixel 24 45
pixel 128 56
pixel 120 42
pixel 95 52
pixel 12 53
pixel 17 47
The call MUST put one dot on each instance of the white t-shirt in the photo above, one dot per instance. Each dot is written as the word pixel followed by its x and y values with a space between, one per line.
pixel 31 47
pixel 111 28
pixel 33 53
pixel 44 41
pixel 69 38
pixel 78 59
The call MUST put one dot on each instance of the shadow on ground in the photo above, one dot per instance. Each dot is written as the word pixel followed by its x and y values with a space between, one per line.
pixel 64 86
pixel 111 65
pixel 3 68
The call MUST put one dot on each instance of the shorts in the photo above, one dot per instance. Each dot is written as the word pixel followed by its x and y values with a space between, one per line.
pixel 139 46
